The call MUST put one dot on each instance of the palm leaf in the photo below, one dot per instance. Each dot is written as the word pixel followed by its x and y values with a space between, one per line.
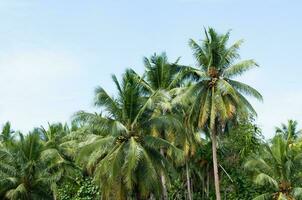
pixel 239 68
pixel 245 89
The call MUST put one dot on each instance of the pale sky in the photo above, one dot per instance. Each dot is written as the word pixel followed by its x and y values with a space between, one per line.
pixel 54 53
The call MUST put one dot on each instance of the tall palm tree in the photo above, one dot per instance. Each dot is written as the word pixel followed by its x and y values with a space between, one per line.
pixel 187 138
pixel 278 169
pixel 161 77
pixel 121 152
pixel 24 170
pixel 218 97
pixel 164 78
pixel 289 130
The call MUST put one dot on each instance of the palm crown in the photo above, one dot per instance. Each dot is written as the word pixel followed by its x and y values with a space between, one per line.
pixel 124 155
pixel 219 97
pixel 26 169
pixel 289 131
pixel 7 134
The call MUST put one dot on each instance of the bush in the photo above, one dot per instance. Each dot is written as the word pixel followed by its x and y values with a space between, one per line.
pixel 82 189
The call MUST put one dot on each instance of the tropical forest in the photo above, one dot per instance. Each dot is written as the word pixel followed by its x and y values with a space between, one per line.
pixel 174 132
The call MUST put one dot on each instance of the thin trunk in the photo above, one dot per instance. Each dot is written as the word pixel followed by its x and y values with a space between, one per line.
pixel 215 166
pixel 138 196
pixel 152 197
pixel 188 181
pixel 192 188
pixel 54 191
pixel 163 180
pixel 208 182
pixel 203 187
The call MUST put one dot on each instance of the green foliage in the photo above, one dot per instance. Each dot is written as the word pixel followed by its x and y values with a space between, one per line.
pixel 120 149
pixel 177 190
pixel 82 188
pixel 241 140
pixel 7 134
pixel 217 96
pixel 25 171
pixel 289 131
pixel 241 186
pixel 277 167
pixel 32 165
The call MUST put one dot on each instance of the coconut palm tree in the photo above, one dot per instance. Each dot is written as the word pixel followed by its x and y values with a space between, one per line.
pixel 55 138
pixel 277 168
pixel 121 150
pixel 188 139
pixel 161 78
pixel 56 146
pixel 54 132
pixel 24 170
pixel 289 130
pixel 218 98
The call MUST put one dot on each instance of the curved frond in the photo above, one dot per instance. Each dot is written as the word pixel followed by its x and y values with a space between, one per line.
pixel 133 157
pixel 297 192
pixel 246 89
pixel 199 54
pixel 264 179
pixel 266 196
pixel 239 68
pixel 103 99
pixel 158 143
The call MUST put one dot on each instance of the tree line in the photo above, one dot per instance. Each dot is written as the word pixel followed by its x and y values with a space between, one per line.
pixel 174 132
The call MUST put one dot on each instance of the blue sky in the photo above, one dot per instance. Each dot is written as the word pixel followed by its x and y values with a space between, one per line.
pixel 54 53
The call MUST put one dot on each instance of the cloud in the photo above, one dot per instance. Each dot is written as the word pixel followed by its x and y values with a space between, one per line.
pixel 34 70
pixel 37 59
pixel 35 87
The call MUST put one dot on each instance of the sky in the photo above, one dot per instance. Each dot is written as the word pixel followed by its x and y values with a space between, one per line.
pixel 54 53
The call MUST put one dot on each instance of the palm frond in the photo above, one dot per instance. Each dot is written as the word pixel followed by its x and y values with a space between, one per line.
pixel 264 179
pixel 265 196
pixel 103 99
pixel 158 143
pixel 297 192
pixel 239 68
pixel 246 89
pixel 133 157
pixel 199 54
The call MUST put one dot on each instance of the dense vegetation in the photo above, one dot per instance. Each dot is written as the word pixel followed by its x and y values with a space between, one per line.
pixel 174 132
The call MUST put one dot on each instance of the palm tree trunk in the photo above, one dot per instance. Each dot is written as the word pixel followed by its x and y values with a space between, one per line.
pixel 138 196
pixel 215 165
pixel 208 182
pixel 163 179
pixel 54 197
pixel 54 191
pixel 188 181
